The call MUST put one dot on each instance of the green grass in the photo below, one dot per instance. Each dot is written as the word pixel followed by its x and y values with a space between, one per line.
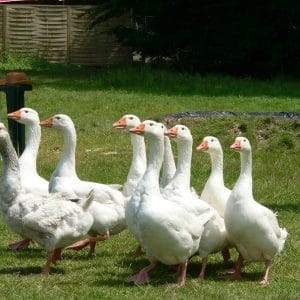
pixel 95 98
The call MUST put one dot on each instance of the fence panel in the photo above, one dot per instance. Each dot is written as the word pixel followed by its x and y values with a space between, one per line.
pixel 60 34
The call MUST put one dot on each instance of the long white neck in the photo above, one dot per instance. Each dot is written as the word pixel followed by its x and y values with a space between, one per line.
pixel 139 162
pixel 244 182
pixel 10 183
pixel 156 151
pixel 216 174
pixel 66 165
pixel 183 173
pixel 29 156
pixel 169 167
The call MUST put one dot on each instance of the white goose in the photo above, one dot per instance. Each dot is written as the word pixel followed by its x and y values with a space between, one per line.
pixel 139 162
pixel 251 227
pixel 32 182
pixel 52 221
pixel 108 207
pixel 168 232
pixel 214 236
pixel 215 192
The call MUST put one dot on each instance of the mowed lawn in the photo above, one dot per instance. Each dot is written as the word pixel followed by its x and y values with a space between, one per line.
pixel 94 99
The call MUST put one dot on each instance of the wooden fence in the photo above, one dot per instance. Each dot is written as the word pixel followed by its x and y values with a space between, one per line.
pixel 60 34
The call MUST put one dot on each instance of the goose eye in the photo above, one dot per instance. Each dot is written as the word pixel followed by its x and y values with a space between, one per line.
pixel 212 140
pixel 244 141
pixel 26 111
pixel 130 118
pixel 182 128
pixel 151 124
pixel 58 118
pixel 162 127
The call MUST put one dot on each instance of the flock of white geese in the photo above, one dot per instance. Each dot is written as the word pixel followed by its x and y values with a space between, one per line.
pixel 170 222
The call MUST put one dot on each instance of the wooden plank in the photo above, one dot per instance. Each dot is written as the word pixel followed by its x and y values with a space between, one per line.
pixel 59 34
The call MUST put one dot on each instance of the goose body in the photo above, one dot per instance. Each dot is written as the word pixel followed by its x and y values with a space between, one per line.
pixel 168 232
pixel 53 221
pixel 214 236
pixel 108 207
pixel 251 227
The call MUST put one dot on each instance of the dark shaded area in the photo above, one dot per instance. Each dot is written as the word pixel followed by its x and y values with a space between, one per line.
pixel 259 38
pixel 29 271
pixel 197 114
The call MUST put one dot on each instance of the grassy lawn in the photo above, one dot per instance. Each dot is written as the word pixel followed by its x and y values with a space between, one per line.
pixel 94 99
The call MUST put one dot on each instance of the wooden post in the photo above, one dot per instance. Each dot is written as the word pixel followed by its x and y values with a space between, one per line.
pixel 15 101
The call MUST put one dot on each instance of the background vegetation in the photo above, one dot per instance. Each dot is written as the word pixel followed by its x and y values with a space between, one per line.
pixel 95 98
pixel 260 38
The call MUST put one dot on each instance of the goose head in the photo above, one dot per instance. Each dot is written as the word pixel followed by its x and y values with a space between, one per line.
pixel 209 144
pixel 24 116
pixel 149 128
pixel 127 122
pixel 241 144
pixel 59 122
pixel 180 133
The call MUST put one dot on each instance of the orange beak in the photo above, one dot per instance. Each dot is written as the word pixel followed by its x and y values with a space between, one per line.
pixel 121 124
pixel 203 146
pixel 47 122
pixel 173 132
pixel 236 145
pixel 16 115
pixel 140 129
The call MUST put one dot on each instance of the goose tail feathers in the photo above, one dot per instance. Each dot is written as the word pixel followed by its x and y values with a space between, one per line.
pixel 282 238
pixel 85 203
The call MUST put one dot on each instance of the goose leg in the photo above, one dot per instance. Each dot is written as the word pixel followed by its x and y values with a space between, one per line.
pixel 92 248
pixel 237 272
pixel 83 243
pixel 79 245
pixel 20 245
pixel 142 277
pixel 138 251
pixel 93 240
pixel 203 267
pixel 182 277
pixel 265 280
pixel 47 266
pixel 56 255
pixel 226 254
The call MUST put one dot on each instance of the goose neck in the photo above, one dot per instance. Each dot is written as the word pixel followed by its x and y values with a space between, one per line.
pixel 139 162
pixel 11 172
pixel 156 150
pixel 67 161
pixel 183 172
pixel 30 153
pixel 169 167
pixel 217 166
pixel 244 182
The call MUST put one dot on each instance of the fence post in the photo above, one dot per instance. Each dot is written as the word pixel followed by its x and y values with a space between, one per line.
pixel 14 88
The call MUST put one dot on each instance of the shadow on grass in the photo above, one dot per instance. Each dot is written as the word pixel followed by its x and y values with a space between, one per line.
pixel 29 271
pixel 24 253
pixel 292 207
pixel 159 81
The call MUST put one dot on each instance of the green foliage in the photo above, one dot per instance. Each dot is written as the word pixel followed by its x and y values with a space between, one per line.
pixel 95 98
